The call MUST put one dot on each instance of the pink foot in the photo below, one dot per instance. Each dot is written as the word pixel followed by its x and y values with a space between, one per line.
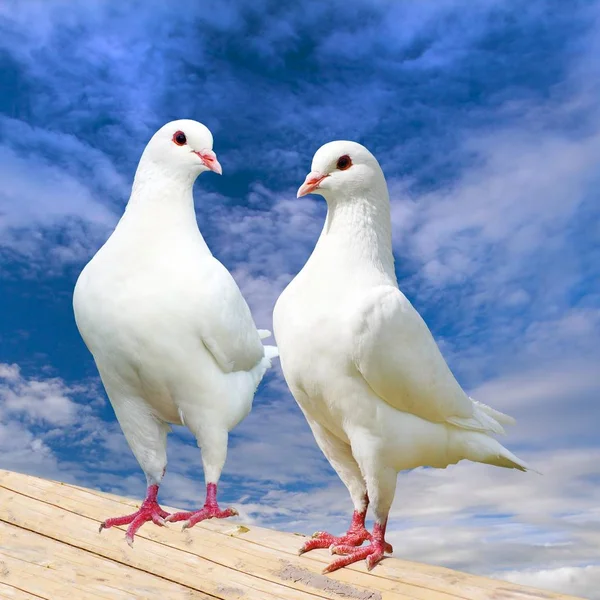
pixel 372 553
pixel 210 510
pixel 148 511
pixel 355 535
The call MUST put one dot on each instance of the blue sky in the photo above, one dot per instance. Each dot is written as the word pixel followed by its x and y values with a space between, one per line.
pixel 485 119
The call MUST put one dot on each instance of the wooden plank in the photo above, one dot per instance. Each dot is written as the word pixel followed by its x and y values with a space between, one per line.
pixel 41 580
pixel 423 579
pixel 176 565
pixel 226 550
pixel 257 553
pixel 82 570
pixel 9 592
pixel 427 577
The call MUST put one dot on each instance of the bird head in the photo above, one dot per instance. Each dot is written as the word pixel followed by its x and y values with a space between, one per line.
pixel 342 168
pixel 184 148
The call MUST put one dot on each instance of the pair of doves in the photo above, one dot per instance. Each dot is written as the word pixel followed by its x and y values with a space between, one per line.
pixel 175 342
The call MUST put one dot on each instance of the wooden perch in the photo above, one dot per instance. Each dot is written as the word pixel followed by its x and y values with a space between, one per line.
pixel 50 548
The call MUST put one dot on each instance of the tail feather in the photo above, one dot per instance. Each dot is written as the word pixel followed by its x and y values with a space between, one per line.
pixel 271 352
pixel 482 448
pixel 260 369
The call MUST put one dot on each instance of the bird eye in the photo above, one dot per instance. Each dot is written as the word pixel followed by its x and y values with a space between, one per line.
pixel 344 162
pixel 179 138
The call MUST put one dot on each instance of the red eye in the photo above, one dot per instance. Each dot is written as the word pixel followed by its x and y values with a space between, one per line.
pixel 179 138
pixel 344 162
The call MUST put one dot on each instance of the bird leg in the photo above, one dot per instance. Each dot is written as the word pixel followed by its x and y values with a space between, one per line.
pixel 373 553
pixel 355 535
pixel 148 511
pixel 210 510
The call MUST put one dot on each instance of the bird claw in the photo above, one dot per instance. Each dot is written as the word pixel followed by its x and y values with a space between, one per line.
pixel 148 511
pixel 372 561
pixel 322 539
pixel 304 547
pixel 207 512
pixel 159 521
pixel 341 549
pixel 372 554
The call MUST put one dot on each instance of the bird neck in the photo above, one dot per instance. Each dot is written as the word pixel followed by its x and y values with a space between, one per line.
pixel 359 229
pixel 162 197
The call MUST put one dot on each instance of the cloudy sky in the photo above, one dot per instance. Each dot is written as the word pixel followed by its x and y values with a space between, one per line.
pixel 486 120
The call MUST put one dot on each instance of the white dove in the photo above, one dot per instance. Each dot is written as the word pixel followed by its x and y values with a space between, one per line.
pixel 171 334
pixel 361 362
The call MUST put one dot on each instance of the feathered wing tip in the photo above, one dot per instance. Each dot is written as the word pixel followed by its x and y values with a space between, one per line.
pixel 485 419
pixel 271 352
pixel 495 414
pixel 479 421
pixel 264 333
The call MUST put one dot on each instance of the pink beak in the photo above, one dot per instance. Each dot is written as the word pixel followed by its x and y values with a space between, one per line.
pixel 209 158
pixel 311 183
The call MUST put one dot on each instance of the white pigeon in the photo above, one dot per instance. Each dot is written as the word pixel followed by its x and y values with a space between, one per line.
pixel 171 334
pixel 361 362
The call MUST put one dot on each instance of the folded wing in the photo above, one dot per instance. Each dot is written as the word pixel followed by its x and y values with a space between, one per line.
pixel 401 362
pixel 226 325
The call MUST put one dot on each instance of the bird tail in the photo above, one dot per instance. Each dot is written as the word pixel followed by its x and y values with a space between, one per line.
pixel 271 352
pixel 480 447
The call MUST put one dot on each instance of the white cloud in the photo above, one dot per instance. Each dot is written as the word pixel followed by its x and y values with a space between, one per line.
pixel 9 372
pixel 52 429
pixel 579 581
pixel 46 199
pixel 55 185
pixel 38 401
pixel 513 198
pixel 22 451
pixel 504 226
